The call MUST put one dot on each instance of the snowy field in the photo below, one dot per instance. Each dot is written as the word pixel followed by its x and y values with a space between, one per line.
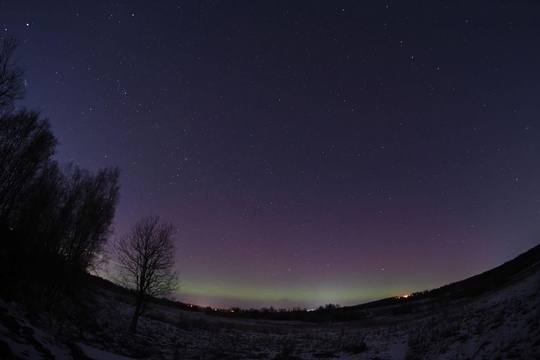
pixel 500 325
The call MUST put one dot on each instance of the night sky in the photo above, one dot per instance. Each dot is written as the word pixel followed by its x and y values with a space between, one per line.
pixel 308 152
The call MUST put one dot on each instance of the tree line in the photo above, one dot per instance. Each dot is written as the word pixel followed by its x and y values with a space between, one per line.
pixel 55 220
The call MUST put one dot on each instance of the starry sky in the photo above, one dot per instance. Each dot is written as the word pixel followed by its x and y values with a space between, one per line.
pixel 308 152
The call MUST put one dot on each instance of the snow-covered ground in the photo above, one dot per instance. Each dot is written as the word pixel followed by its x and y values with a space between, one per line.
pixel 500 325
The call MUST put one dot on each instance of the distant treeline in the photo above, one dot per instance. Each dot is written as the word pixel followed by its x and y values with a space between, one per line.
pixel 427 300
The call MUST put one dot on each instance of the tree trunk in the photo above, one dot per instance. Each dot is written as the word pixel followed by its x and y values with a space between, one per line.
pixel 136 314
pixel 133 326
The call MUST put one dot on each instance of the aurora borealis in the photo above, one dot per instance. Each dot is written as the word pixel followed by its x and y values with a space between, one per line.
pixel 308 152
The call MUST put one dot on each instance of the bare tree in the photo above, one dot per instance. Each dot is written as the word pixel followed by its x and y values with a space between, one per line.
pixel 54 224
pixel 26 145
pixel 89 204
pixel 146 258
pixel 11 75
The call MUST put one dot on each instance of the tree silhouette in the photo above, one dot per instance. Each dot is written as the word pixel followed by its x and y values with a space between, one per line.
pixel 53 223
pixel 26 141
pixel 11 82
pixel 146 258
pixel 26 145
pixel 89 204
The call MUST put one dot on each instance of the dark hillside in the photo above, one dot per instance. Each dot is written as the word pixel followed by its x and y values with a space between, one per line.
pixel 488 281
